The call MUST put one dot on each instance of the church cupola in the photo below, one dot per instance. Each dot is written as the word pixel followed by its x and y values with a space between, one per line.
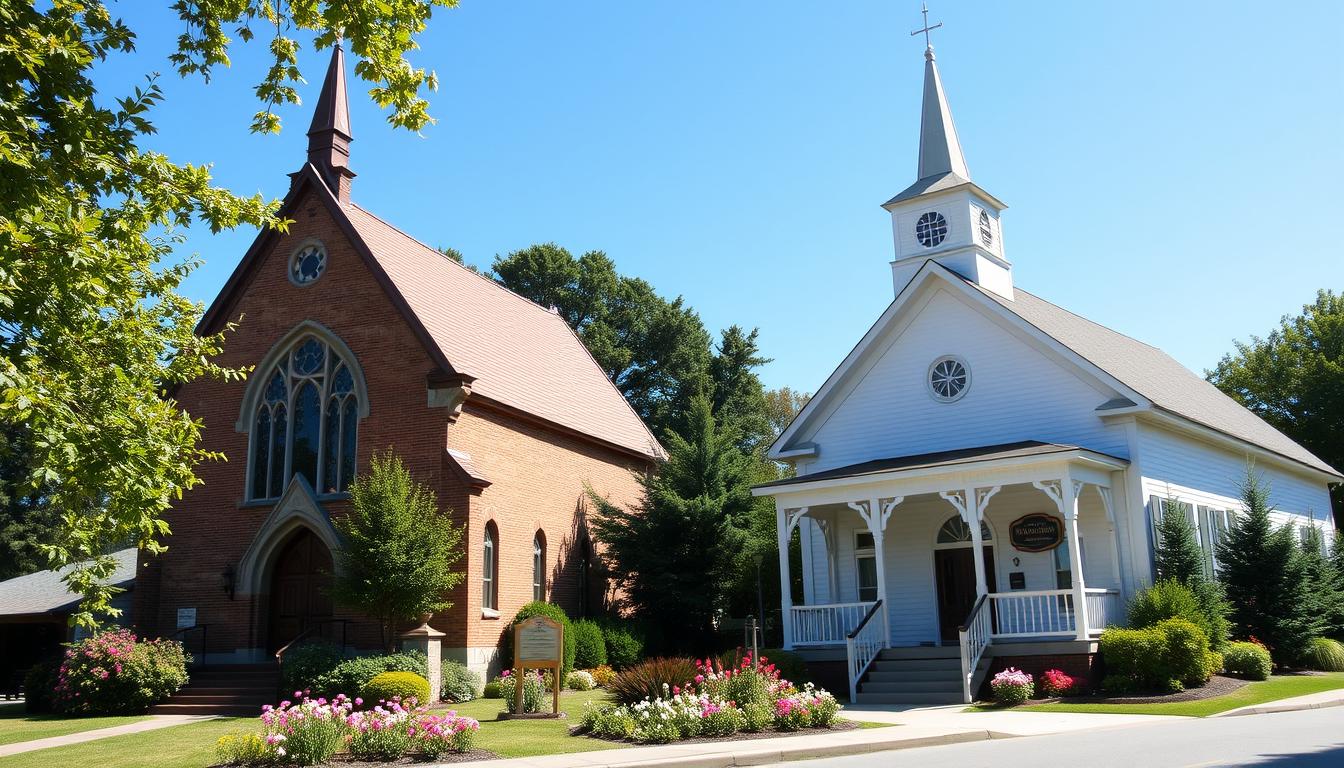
pixel 329 135
pixel 944 215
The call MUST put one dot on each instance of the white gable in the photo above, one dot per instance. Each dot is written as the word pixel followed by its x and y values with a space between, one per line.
pixel 1020 389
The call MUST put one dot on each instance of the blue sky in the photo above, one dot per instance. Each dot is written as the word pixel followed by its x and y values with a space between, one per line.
pixel 1171 169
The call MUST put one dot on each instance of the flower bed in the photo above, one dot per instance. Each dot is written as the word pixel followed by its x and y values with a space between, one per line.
pixel 716 702
pixel 312 731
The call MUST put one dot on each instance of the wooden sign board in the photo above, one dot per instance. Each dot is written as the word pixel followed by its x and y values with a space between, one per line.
pixel 1036 532
pixel 538 643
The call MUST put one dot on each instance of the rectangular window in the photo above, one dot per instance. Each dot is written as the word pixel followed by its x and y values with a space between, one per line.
pixel 865 561
pixel 1154 518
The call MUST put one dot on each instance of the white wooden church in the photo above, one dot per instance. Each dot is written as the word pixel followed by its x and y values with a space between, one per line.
pixel 978 481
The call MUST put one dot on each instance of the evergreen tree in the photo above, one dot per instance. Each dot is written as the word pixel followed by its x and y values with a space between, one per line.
pixel 1178 554
pixel 674 551
pixel 1325 583
pixel 398 550
pixel 1265 579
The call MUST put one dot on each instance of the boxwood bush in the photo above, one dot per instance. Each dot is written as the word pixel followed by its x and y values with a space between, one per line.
pixel 350 676
pixel 396 685
pixel 1203 606
pixel 625 643
pixel 1247 660
pixel 590 649
pixel 1170 656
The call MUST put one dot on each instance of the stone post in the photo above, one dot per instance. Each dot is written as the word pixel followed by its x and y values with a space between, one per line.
pixel 428 641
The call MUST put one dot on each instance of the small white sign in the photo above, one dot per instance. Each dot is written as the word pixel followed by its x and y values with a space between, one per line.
pixel 186 617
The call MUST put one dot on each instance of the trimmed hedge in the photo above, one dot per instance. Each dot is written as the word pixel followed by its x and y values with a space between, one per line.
pixel 1247 660
pixel 590 649
pixel 350 676
pixel 1170 656
pixel 539 608
pixel 396 685
pixel 625 643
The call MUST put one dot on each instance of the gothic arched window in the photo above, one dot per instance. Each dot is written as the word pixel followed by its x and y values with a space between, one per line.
pixel 539 566
pixel 306 422
pixel 490 568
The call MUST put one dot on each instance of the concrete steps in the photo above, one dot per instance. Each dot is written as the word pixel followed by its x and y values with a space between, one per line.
pixel 914 676
pixel 228 690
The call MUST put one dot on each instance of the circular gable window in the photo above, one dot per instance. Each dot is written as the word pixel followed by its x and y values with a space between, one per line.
pixel 308 263
pixel 931 229
pixel 949 378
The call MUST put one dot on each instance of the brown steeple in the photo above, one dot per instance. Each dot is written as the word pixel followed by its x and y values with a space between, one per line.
pixel 329 136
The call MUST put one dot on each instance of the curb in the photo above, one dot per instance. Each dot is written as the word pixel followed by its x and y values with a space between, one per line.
pixel 1271 709
pixel 749 757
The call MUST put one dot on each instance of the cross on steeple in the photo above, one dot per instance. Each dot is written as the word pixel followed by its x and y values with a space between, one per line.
pixel 927 29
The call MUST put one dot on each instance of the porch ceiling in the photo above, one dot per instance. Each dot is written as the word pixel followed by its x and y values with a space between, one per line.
pixel 1009 462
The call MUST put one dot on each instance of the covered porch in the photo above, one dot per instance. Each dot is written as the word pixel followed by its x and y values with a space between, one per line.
pixel 958 549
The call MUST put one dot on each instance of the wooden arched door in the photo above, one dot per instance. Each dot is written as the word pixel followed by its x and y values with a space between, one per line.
pixel 300 588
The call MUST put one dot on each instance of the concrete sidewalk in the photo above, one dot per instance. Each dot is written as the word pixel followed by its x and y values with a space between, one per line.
pixel 911 728
pixel 154 723
pixel 1310 701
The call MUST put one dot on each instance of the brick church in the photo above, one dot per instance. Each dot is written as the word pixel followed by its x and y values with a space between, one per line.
pixel 363 339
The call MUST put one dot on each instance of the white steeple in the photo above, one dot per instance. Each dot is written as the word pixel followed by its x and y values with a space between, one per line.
pixel 944 215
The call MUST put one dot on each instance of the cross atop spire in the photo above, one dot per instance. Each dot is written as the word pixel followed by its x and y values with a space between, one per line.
pixel 329 134
pixel 927 29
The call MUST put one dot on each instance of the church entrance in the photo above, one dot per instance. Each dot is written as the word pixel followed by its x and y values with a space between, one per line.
pixel 300 589
pixel 955 569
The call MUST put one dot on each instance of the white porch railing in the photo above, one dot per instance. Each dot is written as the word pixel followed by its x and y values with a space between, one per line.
pixel 863 645
pixel 1049 612
pixel 826 624
pixel 974 640
pixel 1104 608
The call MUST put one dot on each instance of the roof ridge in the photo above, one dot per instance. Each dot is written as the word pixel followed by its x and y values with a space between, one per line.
pixel 488 280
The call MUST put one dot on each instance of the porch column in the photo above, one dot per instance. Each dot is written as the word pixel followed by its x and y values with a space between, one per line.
pixel 970 503
pixel 1070 489
pixel 876 512
pixel 785 581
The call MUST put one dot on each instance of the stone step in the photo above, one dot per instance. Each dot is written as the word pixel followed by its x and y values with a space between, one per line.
pixel 899 675
pixel 917 699
pixel 921 652
pixel 893 665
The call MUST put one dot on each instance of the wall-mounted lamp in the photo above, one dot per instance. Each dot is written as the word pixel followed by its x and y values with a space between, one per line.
pixel 227 579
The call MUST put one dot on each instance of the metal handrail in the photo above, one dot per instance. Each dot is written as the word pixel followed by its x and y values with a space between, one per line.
pixel 877 606
pixel 183 631
pixel 974 609
pixel 317 625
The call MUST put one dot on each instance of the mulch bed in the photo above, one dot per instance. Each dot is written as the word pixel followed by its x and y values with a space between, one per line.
pixel 840 725
pixel 1218 685
pixel 345 761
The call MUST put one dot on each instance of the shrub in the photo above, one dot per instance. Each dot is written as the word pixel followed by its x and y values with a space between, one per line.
pixel 491 690
pixel 1168 656
pixel 459 683
pixel 757 717
pixel 1011 687
pixel 112 673
pixel 350 676
pixel 301 667
pixel 384 732
pixel 1325 655
pixel 38 684
pixel 1054 682
pixel 241 748
pixel 651 679
pixel 716 720
pixel 1247 660
pixel 437 735
pixel 1203 606
pixel 553 612
pixel 534 690
pixel 396 687
pixel 590 650
pixel 790 665
pixel 625 645
pixel 305 733
pixel 579 680
pixel 603 675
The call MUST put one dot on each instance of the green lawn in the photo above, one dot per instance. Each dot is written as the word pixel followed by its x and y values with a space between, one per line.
pixel 17 725
pixel 525 738
pixel 1273 689
pixel 180 746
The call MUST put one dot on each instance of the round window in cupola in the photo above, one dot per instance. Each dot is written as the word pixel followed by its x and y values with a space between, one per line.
pixel 949 378
pixel 308 263
pixel 931 229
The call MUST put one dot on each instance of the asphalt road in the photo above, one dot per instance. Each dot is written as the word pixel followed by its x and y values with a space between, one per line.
pixel 1310 738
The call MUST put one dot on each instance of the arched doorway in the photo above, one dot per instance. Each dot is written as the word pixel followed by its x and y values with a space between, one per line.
pixel 300 588
pixel 954 569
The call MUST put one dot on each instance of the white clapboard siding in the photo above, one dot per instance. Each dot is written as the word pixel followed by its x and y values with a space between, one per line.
pixel 1017 393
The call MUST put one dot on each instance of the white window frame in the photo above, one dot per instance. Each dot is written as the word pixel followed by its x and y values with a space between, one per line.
pixel 490 572
pixel 861 553
pixel 539 567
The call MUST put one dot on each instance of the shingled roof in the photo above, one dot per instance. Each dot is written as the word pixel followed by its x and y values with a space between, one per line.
pixel 44 592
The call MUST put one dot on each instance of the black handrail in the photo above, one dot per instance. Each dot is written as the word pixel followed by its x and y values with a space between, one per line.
pixel 974 609
pixel 183 631
pixel 866 617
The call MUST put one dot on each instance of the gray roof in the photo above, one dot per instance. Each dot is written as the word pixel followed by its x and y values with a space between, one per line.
pixel 1156 375
pixel 44 592
pixel 1016 450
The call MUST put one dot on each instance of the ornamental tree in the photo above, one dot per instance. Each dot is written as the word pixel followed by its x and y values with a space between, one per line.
pixel 94 334
pixel 1178 555
pixel 398 549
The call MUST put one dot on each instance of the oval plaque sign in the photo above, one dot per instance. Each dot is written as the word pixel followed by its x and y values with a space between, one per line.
pixel 1036 533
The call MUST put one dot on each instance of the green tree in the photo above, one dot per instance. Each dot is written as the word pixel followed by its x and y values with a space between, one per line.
pixel 674 549
pixel 782 406
pixel 93 330
pixel 398 549
pixel 1265 578
pixel 1294 379
pixel 1324 582
pixel 27 519
pixel 1178 554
